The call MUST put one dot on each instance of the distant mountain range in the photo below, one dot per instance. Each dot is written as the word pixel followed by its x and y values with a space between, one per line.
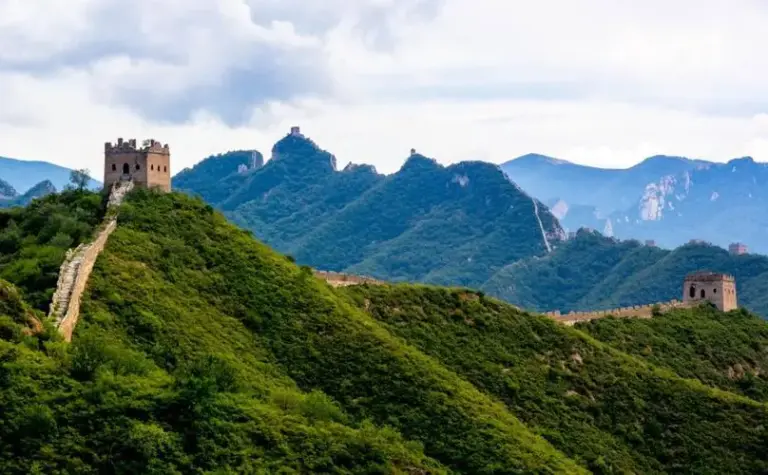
pixel 22 175
pixel 21 181
pixel 11 198
pixel 670 200
pixel 468 224
pixel 455 225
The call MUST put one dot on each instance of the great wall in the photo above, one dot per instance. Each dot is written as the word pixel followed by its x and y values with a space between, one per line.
pixel 78 264
pixel 126 164
pixel 636 311
pixel 340 279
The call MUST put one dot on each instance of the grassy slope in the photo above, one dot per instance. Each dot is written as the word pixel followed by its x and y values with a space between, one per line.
pixel 611 412
pixel 171 386
pixel 176 280
pixel 729 351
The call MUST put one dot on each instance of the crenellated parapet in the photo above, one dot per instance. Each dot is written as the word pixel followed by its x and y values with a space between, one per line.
pixel 147 164
pixel 339 279
pixel 635 311
pixel 130 146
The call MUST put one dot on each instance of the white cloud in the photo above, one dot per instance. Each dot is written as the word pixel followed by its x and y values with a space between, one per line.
pixel 602 82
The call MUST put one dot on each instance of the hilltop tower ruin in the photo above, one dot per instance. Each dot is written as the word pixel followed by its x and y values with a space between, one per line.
pixel 720 289
pixel 148 165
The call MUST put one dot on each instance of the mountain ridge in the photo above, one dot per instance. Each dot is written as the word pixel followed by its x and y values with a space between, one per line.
pixel 661 198
pixel 593 272
pixel 360 221
pixel 25 174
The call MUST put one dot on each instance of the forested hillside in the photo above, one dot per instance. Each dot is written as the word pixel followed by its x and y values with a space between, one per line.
pixel 593 272
pixel 725 351
pixel 201 350
pixel 455 225
pixel 611 412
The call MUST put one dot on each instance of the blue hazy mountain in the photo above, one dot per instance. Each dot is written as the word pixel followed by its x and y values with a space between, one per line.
pixel 605 189
pixel 670 200
pixel 22 175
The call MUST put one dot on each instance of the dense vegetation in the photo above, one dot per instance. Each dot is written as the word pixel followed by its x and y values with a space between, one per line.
pixel 34 240
pixel 456 224
pixel 610 412
pixel 216 177
pixel 729 351
pixel 200 350
pixel 465 224
pixel 593 272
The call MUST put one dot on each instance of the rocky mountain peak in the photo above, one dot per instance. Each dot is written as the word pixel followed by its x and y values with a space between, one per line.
pixel 296 148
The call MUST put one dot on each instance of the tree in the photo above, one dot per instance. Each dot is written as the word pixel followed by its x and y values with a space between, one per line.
pixel 80 178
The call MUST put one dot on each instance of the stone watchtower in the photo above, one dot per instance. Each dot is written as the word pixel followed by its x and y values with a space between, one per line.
pixel 148 165
pixel 720 289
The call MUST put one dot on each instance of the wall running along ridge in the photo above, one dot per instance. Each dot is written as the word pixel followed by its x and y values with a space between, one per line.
pixel 637 311
pixel 339 279
pixel 77 267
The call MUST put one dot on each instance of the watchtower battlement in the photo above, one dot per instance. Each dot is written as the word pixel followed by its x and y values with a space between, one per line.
pixel 709 277
pixel 123 146
pixel 718 288
pixel 148 164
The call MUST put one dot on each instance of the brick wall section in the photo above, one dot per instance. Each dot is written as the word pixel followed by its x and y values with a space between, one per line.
pixel 338 279
pixel 87 259
pixel 77 267
pixel 637 311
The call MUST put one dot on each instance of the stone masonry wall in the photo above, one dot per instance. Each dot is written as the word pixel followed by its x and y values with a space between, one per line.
pixel 338 279
pixel 637 311
pixel 77 267
pixel 85 261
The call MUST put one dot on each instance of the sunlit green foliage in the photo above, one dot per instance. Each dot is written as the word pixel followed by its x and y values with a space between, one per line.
pixel 729 351
pixel 200 350
pixel 609 411
pixel 34 240
pixel 178 282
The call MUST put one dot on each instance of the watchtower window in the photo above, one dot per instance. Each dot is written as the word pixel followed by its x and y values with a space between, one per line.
pixel 152 167
pixel 114 167
pixel 165 169
pixel 714 291
pixel 138 167
pixel 692 292
pixel 126 169
pixel 703 294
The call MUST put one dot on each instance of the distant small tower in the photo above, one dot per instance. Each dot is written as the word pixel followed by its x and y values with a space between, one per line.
pixel 650 243
pixel 737 248
pixel 413 151
pixel 296 131
pixel 148 165
pixel 720 289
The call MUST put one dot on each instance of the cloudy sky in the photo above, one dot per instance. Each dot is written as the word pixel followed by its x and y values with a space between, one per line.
pixel 600 82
